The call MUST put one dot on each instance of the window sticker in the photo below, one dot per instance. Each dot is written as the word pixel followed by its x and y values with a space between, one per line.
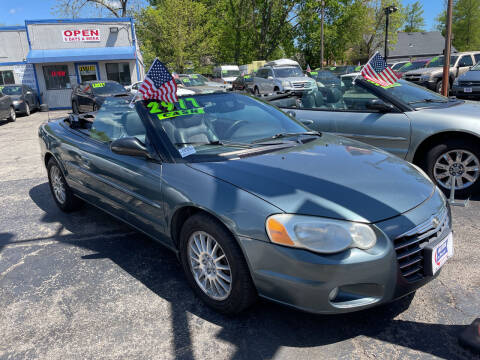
pixel 314 73
pixel 358 68
pixel 194 77
pixel 1 88
pixel 333 68
pixel 164 110
pixel 384 87
pixel 98 85
pixel 247 76
pixel 187 150
pixel 186 80
pixel 224 71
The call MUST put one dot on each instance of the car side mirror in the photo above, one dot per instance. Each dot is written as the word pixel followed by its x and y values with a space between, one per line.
pixel 270 78
pixel 291 113
pixel 380 106
pixel 130 146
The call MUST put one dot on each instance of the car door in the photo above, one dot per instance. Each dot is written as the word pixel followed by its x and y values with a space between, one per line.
pixel 4 105
pixel 85 98
pixel 346 113
pixel 269 85
pixel 126 186
pixel 30 96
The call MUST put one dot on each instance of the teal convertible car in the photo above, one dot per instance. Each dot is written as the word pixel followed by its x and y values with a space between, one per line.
pixel 253 203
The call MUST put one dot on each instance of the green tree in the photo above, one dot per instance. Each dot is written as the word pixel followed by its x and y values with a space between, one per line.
pixel 466 25
pixel 177 32
pixel 414 17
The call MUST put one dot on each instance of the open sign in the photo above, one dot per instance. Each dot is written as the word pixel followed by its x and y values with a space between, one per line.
pixel 81 35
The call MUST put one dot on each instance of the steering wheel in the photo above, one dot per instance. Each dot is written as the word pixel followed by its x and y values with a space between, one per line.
pixel 234 127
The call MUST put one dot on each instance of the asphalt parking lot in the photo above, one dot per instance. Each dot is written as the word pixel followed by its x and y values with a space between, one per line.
pixel 86 286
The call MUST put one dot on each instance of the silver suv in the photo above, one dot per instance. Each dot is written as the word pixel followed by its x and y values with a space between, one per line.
pixel 281 76
pixel 431 75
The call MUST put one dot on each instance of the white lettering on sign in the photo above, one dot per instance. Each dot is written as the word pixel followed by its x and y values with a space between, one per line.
pixel 81 35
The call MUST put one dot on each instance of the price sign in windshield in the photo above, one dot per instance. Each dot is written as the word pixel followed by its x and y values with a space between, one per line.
pixel 182 107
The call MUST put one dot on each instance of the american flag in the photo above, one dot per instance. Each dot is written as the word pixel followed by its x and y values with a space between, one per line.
pixel 159 84
pixel 379 72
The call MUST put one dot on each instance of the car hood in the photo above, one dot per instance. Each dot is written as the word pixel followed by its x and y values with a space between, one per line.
pixel 422 71
pixel 452 116
pixel 470 76
pixel 297 79
pixel 330 177
pixel 16 97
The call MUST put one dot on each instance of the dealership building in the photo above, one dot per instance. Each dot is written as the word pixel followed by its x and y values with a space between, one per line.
pixel 52 56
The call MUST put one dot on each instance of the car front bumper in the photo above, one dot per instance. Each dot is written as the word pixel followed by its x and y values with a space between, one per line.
pixel 459 91
pixel 19 107
pixel 348 281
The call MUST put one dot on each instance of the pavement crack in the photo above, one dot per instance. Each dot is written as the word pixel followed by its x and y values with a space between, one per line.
pixel 20 262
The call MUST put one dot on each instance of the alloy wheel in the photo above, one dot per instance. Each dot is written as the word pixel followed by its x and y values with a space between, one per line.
pixel 57 184
pixel 463 165
pixel 209 265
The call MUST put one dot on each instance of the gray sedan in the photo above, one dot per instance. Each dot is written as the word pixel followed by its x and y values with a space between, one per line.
pixel 253 203
pixel 468 85
pixel 441 135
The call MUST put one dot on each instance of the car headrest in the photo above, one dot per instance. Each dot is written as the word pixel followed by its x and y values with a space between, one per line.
pixel 333 95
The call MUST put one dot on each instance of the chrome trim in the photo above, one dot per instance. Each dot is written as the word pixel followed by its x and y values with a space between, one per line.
pixel 428 225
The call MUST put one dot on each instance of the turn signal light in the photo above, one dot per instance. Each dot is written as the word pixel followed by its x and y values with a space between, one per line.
pixel 277 233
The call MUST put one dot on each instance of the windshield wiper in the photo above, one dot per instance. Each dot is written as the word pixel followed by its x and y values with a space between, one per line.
pixel 288 134
pixel 216 142
pixel 427 101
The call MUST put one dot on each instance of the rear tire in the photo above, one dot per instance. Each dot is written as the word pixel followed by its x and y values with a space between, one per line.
pixel 439 86
pixel 13 115
pixel 441 160
pixel 61 192
pixel 199 237
pixel 256 92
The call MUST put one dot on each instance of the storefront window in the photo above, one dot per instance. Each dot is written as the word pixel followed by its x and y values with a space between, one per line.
pixel 119 72
pixel 56 77
pixel 87 72
pixel 6 77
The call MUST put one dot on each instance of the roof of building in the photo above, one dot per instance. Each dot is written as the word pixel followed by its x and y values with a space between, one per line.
pixel 415 44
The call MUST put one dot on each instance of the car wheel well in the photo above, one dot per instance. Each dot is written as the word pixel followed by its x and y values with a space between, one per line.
pixel 181 215
pixel 276 88
pixel 436 139
pixel 48 156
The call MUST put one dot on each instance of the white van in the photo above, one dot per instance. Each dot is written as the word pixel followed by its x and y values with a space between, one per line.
pixel 227 73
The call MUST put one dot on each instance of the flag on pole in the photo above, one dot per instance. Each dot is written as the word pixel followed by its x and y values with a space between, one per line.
pixel 308 68
pixel 158 84
pixel 377 71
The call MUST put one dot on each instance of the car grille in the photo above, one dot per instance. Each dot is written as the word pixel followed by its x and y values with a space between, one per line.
pixel 301 85
pixel 469 83
pixel 409 246
pixel 412 77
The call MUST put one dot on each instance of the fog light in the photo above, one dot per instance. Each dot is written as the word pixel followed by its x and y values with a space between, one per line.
pixel 333 294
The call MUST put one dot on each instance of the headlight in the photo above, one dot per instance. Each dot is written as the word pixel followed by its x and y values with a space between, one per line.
pixel 286 84
pixel 16 102
pixel 321 235
pixel 455 82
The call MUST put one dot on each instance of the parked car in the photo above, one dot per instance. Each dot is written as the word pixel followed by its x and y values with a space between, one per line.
pixel 181 90
pixel 24 98
pixel 280 76
pixel 209 82
pixel 197 85
pixel 90 95
pixel 253 202
pixel 7 110
pixel 397 65
pixel 439 134
pixel 468 84
pixel 243 82
pixel 226 74
pixel 412 65
pixel 432 74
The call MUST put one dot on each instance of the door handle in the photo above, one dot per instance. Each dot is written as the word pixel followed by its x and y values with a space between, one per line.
pixel 307 122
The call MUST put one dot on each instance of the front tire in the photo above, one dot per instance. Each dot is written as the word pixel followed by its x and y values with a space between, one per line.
pixel 457 157
pixel 62 194
pixel 75 107
pixel 27 109
pixel 215 266
pixel 256 92
pixel 13 116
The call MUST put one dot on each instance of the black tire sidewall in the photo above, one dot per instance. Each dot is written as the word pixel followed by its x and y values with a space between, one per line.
pixel 27 109
pixel 10 117
pixel 434 153
pixel 439 86
pixel 71 201
pixel 75 107
pixel 243 293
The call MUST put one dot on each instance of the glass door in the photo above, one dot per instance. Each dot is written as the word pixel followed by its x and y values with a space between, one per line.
pixel 87 72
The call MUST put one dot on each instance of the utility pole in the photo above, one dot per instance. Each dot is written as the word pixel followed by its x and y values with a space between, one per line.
pixel 388 10
pixel 447 51
pixel 322 16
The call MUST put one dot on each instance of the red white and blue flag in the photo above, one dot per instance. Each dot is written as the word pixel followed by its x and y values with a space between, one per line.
pixel 377 71
pixel 159 84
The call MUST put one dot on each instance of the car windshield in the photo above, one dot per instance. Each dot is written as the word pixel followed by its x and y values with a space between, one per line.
pixel 105 88
pixel 221 122
pixel 230 73
pixel 192 80
pixel 284 72
pixel 11 90
pixel 397 66
pixel 439 61
pixel 414 65
pixel 415 95
pixel 201 77
pixel 476 67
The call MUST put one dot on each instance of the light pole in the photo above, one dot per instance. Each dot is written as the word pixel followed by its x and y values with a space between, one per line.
pixel 388 10
pixel 321 33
